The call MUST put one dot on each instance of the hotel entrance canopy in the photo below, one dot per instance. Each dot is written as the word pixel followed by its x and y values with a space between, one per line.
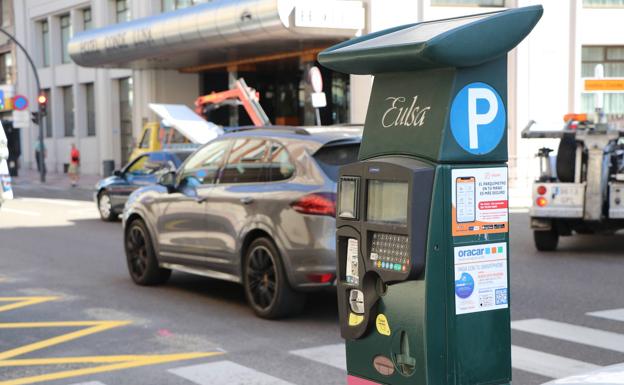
pixel 218 33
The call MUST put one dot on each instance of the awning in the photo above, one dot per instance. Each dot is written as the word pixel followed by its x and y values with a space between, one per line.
pixel 219 31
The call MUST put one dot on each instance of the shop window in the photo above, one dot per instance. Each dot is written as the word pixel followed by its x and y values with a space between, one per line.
pixel 603 3
pixel 48 117
pixel 90 103
pixel 122 11
pixel 45 43
pixel 87 19
pixel 65 36
pixel 470 3
pixel 172 5
pixel 6 68
pixel 68 110
pixel 611 58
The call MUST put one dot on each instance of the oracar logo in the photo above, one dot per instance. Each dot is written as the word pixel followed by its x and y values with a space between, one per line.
pixel 479 251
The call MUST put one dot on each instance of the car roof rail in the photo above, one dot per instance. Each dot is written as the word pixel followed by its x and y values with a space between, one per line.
pixel 294 129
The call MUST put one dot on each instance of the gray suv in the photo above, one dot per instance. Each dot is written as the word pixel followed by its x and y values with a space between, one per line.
pixel 255 206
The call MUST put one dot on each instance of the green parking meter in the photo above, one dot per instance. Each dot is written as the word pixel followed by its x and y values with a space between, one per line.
pixel 422 219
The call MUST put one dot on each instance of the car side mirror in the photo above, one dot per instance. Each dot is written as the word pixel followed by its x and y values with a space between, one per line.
pixel 118 173
pixel 168 179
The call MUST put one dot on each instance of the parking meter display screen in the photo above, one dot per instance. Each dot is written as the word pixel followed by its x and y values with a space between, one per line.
pixel 387 202
pixel 348 198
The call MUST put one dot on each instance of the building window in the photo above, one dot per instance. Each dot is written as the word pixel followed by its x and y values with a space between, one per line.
pixel 65 36
pixel 611 58
pixel 6 68
pixel 122 11
pixel 470 3
pixel 45 43
pixel 126 95
pixel 172 5
pixel 68 110
pixel 5 13
pixel 48 117
pixel 87 19
pixel 90 102
pixel 603 3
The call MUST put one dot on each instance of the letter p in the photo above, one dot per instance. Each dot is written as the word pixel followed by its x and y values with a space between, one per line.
pixel 474 118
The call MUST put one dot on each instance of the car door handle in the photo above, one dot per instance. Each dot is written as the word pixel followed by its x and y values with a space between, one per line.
pixel 201 199
pixel 246 200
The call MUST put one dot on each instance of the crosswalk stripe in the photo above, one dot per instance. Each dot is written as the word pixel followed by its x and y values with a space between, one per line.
pixel 573 333
pixel 613 314
pixel 332 355
pixel 225 372
pixel 547 365
pixel 21 212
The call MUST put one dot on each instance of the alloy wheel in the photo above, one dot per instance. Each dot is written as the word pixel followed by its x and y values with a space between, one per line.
pixel 105 206
pixel 262 277
pixel 137 251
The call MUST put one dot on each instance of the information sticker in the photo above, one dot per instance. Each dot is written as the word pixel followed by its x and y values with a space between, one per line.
pixel 481 278
pixel 352 270
pixel 479 201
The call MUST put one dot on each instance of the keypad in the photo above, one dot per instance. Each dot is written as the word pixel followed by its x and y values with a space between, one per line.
pixel 390 251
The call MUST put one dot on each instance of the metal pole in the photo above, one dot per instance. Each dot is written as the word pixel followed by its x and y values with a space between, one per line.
pixel 39 91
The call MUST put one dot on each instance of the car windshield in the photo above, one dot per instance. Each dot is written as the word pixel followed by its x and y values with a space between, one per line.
pixel 331 156
pixel 182 155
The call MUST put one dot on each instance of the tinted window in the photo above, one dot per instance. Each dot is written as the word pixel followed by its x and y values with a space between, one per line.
pixel 279 166
pixel 138 166
pixel 246 163
pixel 158 161
pixel 331 157
pixel 182 155
pixel 203 166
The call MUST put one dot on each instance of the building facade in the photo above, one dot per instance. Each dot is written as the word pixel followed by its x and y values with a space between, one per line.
pixel 171 51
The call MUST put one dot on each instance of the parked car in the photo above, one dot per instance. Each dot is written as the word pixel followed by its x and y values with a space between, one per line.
pixel 255 206
pixel 111 193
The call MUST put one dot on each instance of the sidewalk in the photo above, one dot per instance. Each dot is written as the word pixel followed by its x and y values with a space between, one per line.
pixel 54 181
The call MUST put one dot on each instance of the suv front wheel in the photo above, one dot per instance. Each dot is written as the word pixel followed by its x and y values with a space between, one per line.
pixel 266 287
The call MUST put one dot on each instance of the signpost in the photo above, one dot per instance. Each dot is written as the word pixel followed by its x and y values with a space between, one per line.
pixel 422 236
pixel 20 103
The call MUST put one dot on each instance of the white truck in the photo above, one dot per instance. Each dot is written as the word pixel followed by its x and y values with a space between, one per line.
pixel 6 191
pixel 583 192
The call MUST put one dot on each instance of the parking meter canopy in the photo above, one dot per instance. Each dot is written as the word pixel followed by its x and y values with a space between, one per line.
pixel 434 78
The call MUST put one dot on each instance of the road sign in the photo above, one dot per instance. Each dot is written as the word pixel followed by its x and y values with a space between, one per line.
pixel 316 79
pixel 478 118
pixel 20 102
pixel 21 119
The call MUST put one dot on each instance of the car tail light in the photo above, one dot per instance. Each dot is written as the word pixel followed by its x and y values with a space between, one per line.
pixel 316 204
pixel 541 202
pixel 541 190
pixel 321 278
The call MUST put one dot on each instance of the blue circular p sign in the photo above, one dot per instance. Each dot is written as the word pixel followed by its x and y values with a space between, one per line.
pixel 478 118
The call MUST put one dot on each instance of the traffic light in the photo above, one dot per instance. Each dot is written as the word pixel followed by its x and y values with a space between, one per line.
pixel 35 117
pixel 42 99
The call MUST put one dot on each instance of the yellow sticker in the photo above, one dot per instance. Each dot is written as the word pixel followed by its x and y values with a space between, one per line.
pixel 383 327
pixel 355 320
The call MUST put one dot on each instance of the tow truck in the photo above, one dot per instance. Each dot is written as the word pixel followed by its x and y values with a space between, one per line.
pixel 581 189
pixel 6 191
pixel 182 127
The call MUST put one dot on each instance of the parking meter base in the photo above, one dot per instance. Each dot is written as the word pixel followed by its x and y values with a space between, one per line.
pixel 422 218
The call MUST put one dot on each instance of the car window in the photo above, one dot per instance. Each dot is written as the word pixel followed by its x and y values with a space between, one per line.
pixel 138 166
pixel 246 163
pixel 279 166
pixel 158 161
pixel 145 139
pixel 203 166
pixel 330 157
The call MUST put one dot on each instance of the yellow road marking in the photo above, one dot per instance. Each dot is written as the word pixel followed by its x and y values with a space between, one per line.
pixel 151 360
pixel 108 363
pixel 95 327
pixel 22 301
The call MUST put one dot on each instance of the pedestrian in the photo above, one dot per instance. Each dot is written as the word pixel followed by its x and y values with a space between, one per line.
pixel 74 165
pixel 40 154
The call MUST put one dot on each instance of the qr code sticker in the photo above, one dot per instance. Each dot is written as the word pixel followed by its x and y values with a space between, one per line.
pixel 501 296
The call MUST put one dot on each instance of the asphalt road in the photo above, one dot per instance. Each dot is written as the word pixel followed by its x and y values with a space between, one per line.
pixel 69 313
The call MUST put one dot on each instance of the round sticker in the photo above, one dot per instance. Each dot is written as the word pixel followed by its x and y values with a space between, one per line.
pixel 478 118
pixel 464 286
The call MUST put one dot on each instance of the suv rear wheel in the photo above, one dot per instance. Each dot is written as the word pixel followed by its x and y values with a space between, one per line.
pixel 142 263
pixel 266 287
